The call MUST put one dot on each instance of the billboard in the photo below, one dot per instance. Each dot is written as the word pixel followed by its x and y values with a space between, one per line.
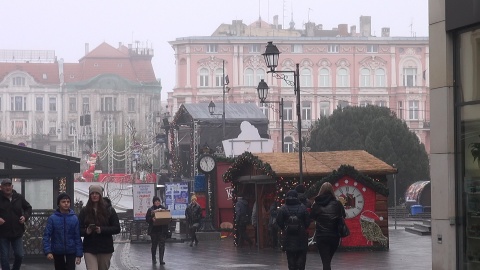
pixel 176 198
pixel 142 199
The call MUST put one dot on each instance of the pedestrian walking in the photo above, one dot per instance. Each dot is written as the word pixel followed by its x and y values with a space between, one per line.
pixel 327 212
pixel 241 220
pixel 14 212
pixel 158 233
pixel 61 237
pixel 193 213
pixel 98 223
pixel 294 220
pixel 300 189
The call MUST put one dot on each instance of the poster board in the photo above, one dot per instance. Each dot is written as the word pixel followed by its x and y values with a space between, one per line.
pixel 176 198
pixel 142 199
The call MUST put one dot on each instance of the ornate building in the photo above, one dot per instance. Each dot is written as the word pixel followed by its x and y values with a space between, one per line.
pixel 339 67
pixel 69 108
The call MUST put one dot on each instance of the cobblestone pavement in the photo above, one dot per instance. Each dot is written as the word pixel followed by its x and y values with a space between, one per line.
pixel 407 251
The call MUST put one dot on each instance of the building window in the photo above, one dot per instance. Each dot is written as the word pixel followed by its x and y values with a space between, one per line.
pixel 203 77
pixel 288 144
pixel 324 108
pixel 85 105
pixel 212 48
pixel 342 78
pixel 306 110
pixel 39 104
pixel 254 48
pixel 113 127
pixel 52 104
pixel 19 127
pixel 324 78
pixel 248 77
pixel 288 110
pixel 306 78
pixel 413 110
pixel 297 48
pixel 381 103
pixel 109 104
pixel 219 77
pixel 131 104
pixel 18 81
pixel 52 128
pixel 365 103
pixel 333 48
pixel 372 48
pixel 264 108
pixel 19 103
pixel 410 77
pixel 364 77
pixel 39 127
pixel 380 77
pixel 72 104
pixel 342 104
pixel 400 110
pixel 72 128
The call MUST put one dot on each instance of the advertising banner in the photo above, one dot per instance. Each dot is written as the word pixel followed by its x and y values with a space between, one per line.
pixel 176 198
pixel 142 199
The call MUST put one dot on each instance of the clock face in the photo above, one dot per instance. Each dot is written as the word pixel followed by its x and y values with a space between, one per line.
pixel 350 193
pixel 206 163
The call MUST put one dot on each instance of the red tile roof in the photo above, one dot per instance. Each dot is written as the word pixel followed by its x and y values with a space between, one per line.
pixel 36 70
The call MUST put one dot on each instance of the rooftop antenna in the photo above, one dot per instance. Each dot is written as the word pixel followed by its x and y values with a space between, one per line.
pixel 283 14
pixel 309 14
pixel 411 28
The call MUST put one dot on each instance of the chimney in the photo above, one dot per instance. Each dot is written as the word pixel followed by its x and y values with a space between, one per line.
pixel 343 30
pixel 353 30
pixel 275 22
pixel 365 26
pixel 386 32
pixel 87 50
pixel 119 45
pixel 310 29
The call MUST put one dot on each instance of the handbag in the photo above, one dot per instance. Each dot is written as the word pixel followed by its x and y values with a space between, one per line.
pixel 343 230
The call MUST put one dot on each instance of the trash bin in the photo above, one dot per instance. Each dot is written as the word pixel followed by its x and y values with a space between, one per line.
pixel 416 209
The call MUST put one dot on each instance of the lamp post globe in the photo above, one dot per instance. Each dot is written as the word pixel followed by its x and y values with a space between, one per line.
pixel 211 107
pixel 262 90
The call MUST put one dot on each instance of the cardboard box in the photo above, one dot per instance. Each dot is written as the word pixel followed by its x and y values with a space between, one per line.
pixel 162 217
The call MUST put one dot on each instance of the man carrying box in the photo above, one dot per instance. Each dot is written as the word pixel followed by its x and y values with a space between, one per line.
pixel 157 229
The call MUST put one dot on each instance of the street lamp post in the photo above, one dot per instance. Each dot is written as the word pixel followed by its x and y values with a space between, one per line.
pixel 271 55
pixel 211 105
pixel 262 90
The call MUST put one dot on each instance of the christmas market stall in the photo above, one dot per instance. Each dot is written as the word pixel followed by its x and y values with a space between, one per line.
pixel 359 181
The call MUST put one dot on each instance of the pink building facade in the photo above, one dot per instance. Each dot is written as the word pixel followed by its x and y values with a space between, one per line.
pixel 338 68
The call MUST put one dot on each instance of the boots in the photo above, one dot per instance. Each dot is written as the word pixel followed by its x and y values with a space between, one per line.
pixel 161 251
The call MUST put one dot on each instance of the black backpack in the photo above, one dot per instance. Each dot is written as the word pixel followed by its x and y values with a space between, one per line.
pixel 294 224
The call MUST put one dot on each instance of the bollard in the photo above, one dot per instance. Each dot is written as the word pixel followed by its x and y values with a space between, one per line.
pixel 177 226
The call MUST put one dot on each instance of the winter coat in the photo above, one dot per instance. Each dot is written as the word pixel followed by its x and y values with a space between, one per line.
pixel 193 213
pixel 149 219
pixel 100 243
pixel 327 211
pixel 11 211
pixel 241 212
pixel 62 235
pixel 299 241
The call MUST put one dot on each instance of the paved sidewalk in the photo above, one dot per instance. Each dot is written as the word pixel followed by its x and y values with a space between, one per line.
pixel 407 251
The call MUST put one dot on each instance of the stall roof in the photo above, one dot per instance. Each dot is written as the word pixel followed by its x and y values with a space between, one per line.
pixel 234 112
pixel 324 163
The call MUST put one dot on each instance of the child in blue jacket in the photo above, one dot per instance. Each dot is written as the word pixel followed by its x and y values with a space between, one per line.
pixel 61 238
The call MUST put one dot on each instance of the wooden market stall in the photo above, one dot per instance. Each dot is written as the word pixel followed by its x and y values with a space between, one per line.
pixel 359 180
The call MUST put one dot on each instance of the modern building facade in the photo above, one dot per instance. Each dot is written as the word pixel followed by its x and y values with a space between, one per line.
pixel 339 67
pixel 455 103
pixel 73 108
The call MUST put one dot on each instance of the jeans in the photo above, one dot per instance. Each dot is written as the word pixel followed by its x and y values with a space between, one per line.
pixel 17 245
pixel 158 239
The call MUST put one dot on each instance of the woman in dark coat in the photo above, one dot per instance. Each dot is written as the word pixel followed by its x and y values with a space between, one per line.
pixel 327 212
pixel 193 213
pixel 98 223
pixel 295 243
pixel 158 233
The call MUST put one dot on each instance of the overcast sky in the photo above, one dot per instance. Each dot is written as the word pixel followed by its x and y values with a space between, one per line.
pixel 66 25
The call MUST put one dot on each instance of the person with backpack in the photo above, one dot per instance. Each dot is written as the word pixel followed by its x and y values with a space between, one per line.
pixel 242 218
pixel 193 213
pixel 327 211
pixel 293 218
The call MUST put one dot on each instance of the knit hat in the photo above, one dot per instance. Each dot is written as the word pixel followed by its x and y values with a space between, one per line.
pixel 300 188
pixel 95 188
pixel 62 196
pixel 194 198
pixel 292 193
pixel 156 198
pixel 6 181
